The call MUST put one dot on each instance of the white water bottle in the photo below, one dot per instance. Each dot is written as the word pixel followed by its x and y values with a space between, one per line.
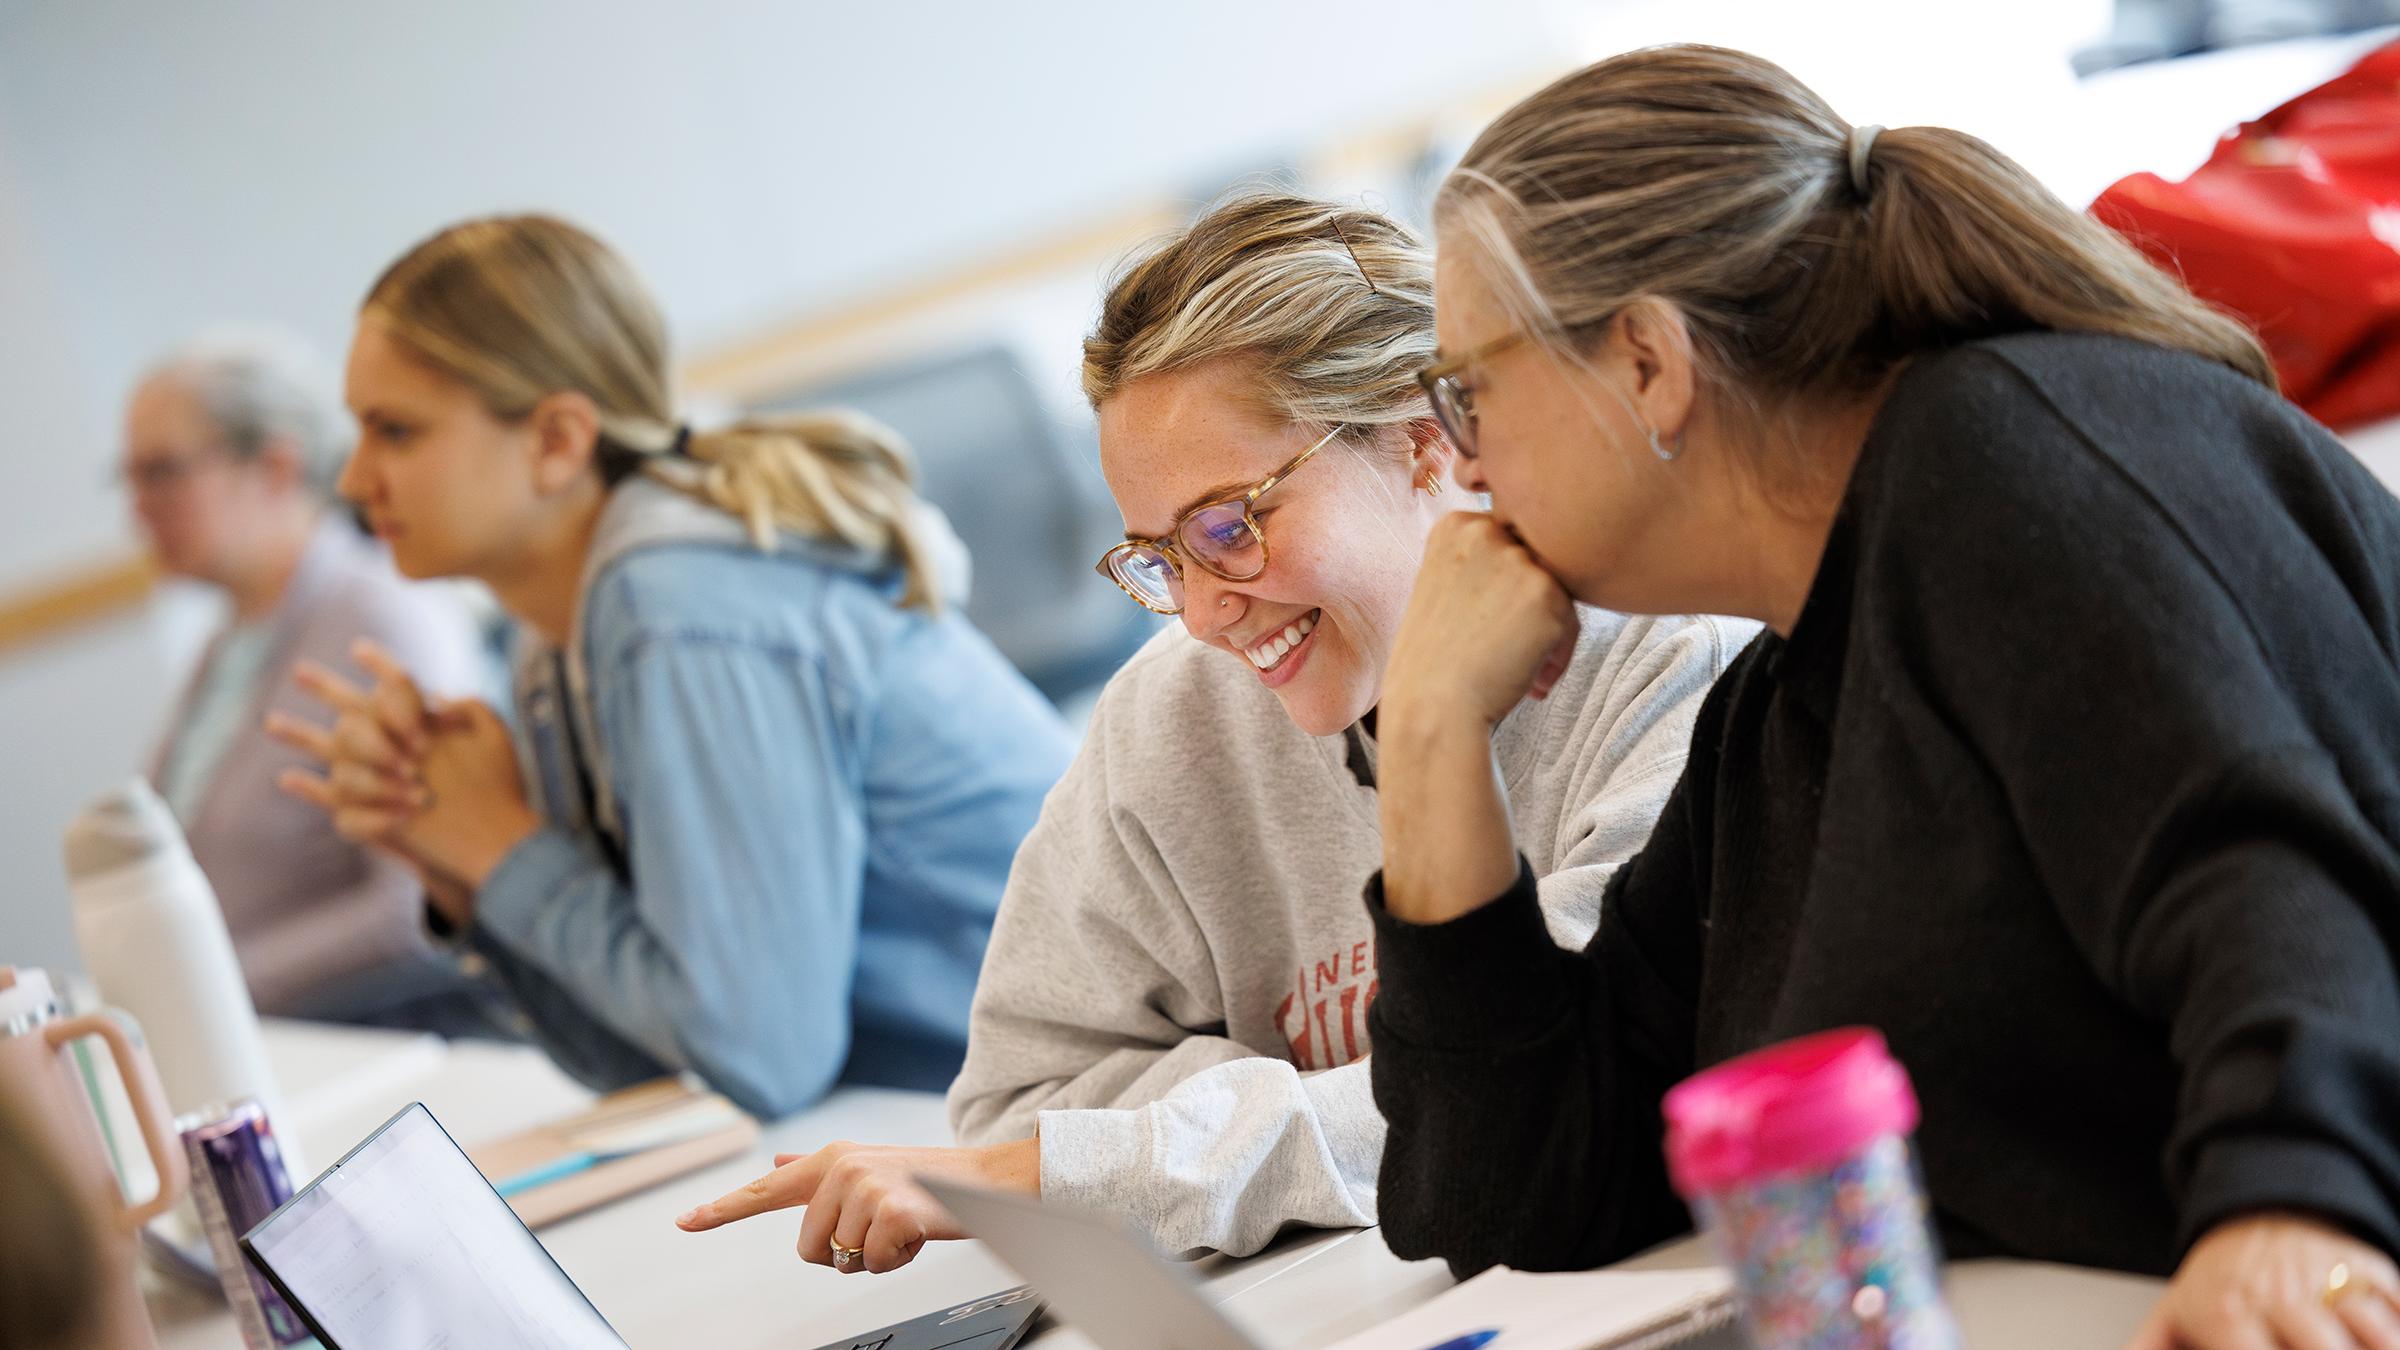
pixel 155 943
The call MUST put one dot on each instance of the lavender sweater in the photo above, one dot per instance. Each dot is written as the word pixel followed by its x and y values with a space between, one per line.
pixel 322 926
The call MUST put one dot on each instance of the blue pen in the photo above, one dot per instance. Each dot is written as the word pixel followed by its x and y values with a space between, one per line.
pixel 1473 1340
pixel 550 1171
pixel 679 1127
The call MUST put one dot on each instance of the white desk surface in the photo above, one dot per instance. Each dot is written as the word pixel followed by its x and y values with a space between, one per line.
pixel 742 1287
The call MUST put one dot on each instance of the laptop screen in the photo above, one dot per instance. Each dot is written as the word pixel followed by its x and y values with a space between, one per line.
pixel 404 1246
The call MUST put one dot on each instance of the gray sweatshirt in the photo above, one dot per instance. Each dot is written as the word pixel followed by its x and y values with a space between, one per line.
pixel 1177 985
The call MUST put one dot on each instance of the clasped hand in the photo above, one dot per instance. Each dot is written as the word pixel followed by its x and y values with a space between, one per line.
pixel 432 782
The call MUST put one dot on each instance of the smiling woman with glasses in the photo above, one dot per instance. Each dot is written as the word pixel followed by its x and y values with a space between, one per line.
pixel 1172 1019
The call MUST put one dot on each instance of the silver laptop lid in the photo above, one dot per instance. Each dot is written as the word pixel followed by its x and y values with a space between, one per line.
pixel 1100 1277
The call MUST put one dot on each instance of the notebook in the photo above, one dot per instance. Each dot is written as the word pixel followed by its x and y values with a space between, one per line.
pixel 625 1142
pixel 1583 1310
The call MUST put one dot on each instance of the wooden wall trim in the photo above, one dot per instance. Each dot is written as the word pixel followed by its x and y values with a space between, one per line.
pixel 60 604
pixel 767 364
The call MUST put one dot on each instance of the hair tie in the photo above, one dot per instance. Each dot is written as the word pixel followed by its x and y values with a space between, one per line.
pixel 1344 236
pixel 1862 144
pixel 681 446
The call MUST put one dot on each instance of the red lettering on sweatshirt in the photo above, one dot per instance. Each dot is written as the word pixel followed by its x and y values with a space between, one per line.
pixel 1343 987
pixel 1299 1043
pixel 1349 1026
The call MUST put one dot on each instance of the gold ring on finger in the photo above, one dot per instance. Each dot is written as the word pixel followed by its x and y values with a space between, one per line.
pixel 845 1257
pixel 2339 1284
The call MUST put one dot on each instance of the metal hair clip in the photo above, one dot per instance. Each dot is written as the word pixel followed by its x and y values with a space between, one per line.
pixel 1344 236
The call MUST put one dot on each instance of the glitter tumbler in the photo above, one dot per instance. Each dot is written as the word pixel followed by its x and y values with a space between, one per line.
pixel 1795 1160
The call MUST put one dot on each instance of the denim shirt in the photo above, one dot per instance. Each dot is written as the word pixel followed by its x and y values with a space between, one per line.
pixel 781 811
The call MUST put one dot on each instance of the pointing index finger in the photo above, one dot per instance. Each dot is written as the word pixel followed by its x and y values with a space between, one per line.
pixel 791 1184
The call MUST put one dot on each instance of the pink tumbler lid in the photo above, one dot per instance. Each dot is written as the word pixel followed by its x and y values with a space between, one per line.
pixel 1789 1108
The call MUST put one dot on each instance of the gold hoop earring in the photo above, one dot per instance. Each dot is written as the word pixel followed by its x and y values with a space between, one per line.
pixel 1432 486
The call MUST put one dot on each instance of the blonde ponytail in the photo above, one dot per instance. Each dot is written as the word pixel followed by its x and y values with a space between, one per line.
pixel 835 475
pixel 520 307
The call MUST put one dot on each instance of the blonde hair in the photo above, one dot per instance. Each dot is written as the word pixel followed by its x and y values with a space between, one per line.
pixel 1715 181
pixel 521 307
pixel 1330 306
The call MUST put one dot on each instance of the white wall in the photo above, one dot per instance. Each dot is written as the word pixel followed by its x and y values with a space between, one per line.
pixel 268 156
pixel 54 504
pixel 72 712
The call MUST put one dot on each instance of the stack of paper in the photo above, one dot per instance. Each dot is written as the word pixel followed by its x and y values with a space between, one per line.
pixel 1592 1310
pixel 628 1141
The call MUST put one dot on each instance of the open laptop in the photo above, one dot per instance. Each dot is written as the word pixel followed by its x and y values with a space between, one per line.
pixel 403 1245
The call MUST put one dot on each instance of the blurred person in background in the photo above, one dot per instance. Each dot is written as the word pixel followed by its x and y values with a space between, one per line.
pixel 231 447
pixel 765 781
pixel 51 1260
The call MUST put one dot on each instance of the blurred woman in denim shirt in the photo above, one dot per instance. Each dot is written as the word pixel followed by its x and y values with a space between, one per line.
pixel 764 783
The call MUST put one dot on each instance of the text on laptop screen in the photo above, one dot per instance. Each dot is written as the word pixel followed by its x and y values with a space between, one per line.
pixel 405 1247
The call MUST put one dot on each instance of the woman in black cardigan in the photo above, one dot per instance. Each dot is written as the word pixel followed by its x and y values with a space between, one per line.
pixel 2071 760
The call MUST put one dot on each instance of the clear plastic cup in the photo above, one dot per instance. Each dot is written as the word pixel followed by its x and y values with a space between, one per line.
pixel 1796 1162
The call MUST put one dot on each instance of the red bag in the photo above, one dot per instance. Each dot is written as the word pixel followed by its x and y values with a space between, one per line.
pixel 2294 223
